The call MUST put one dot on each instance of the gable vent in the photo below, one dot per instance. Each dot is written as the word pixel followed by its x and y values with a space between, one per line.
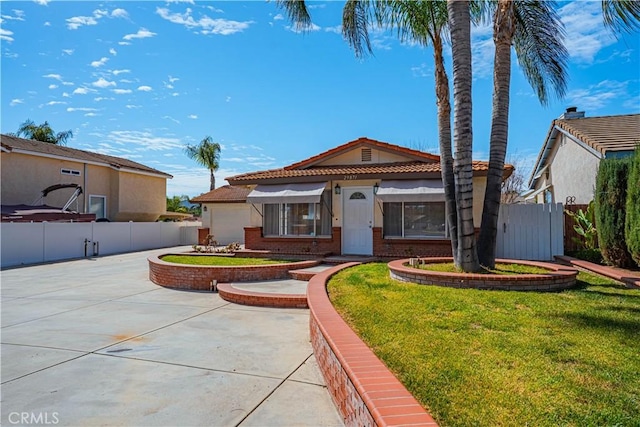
pixel 366 154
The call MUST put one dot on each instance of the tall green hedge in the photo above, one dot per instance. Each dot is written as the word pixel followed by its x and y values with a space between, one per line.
pixel 611 198
pixel 632 221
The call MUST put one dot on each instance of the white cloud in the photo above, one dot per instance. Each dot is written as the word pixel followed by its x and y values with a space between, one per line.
pixel 124 43
pixel 422 70
pixel 144 88
pixel 129 106
pixel 68 51
pixel 121 91
pixel 482 50
pixel 18 15
pixel 205 24
pixel 278 17
pixel 119 13
pixel 116 72
pixel 81 91
pixel 16 101
pixel 102 98
pixel 142 33
pixel 125 81
pixel 100 62
pixel 76 22
pixel 47 24
pixel 53 76
pixel 103 83
pixel 91 115
pixel 146 140
pixel 180 1
pixel 227 99
pixel 192 116
pixel 65 95
pixel 171 118
pixel 73 109
pixel 56 103
pixel 42 2
pixel 113 52
pixel 600 95
pixel 310 28
pixel 173 79
pixel 6 35
pixel 336 29
pixel 586 34
pixel 67 83
pixel 53 86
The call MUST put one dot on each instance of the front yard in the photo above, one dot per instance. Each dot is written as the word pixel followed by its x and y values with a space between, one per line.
pixel 496 358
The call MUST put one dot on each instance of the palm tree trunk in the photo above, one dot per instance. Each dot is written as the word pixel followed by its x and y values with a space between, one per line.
pixel 503 31
pixel 212 180
pixel 460 27
pixel 444 139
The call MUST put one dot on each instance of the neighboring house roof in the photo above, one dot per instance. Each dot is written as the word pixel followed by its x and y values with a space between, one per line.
pixel 421 164
pixel 603 135
pixel 28 146
pixel 224 194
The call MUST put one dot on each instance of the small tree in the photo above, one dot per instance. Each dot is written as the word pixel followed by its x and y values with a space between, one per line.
pixel 632 219
pixel 610 200
pixel 43 133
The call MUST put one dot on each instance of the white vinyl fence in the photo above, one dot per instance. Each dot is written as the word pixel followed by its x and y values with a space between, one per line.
pixel 530 231
pixel 35 242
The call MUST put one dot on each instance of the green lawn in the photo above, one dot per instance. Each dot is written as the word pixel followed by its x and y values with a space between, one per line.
pixel 220 260
pixel 448 267
pixel 498 358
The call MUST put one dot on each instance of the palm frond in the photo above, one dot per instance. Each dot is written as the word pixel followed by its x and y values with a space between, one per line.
pixel 621 15
pixel 297 13
pixel 539 46
pixel 355 26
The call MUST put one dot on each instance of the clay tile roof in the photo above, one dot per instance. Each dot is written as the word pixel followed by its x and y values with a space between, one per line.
pixel 368 142
pixel 606 133
pixel 11 143
pixel 376 169
pixel 224 194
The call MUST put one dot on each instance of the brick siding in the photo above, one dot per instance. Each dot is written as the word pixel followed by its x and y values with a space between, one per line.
pixel 253 239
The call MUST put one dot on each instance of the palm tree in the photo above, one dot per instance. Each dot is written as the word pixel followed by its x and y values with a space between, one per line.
pixel 206 154
pixel 460 30
pixel 535 29
pixel 175 204
pixel 43 133
pixel 423 22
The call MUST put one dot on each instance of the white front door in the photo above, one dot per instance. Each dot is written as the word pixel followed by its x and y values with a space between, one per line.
pixel 357 222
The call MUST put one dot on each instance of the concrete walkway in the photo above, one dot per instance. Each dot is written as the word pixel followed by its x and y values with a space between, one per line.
pixel 94 342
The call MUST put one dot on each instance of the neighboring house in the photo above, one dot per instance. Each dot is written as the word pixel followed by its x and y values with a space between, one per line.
pixel 225 212
pixel 363 198
pixel 567 165
pixel 113 188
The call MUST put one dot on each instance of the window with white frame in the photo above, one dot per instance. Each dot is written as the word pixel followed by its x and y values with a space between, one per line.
pixel 416 220
pixel 72 172
pixel 298 219
pixel 98 206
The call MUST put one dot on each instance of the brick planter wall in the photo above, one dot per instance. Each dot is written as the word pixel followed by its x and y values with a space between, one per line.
pixel 365 392
pixel 558 278
pixel 409 247
pixel 253 239
pixel 261 299
pixel 198 277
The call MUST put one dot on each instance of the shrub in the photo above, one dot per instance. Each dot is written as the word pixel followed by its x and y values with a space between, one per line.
pixel 632 220
pixel 610 201
pixel 585 227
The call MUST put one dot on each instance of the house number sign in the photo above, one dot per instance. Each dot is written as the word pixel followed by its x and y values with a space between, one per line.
pixel 350 177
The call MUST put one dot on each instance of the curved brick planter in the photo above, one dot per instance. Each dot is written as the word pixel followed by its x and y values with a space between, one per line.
pixel 261 299
pixel 558 278
pixel 199 277
pixel 365 392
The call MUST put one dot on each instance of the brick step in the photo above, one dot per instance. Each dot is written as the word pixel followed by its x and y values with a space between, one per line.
pixel 307 273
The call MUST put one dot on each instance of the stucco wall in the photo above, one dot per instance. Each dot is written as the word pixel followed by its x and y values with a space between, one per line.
pixel 140 197
pixel 354 157
pixel 18 187
pixel 227 221
pixel 573 171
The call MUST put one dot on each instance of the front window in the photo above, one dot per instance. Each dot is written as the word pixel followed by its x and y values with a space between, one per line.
pixel 98 206
pixel 298 219
pixel 414 219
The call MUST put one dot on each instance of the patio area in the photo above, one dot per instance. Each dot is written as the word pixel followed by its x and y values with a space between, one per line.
pixel 94 342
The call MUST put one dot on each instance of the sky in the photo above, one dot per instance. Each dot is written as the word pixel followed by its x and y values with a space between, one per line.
pixel 141 80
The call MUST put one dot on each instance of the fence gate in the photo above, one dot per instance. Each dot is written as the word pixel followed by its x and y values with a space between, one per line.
pixel 530 231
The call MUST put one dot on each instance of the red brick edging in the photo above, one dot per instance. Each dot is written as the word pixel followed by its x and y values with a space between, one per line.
pixel 619 275
pixel 261 299
pixel 362 388
pixel 558 277
pixel 198 277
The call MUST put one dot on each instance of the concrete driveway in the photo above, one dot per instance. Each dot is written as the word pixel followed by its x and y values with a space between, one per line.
pixel 94 342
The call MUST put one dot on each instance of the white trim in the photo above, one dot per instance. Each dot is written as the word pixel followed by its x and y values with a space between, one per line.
pixel 536 192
